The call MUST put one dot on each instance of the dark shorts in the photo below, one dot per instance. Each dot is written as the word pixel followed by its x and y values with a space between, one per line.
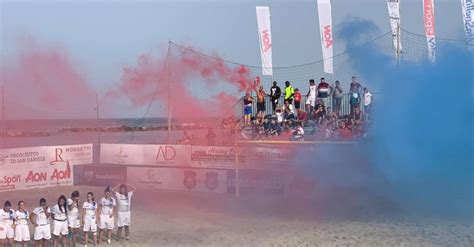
pixel 260 106
pixel 297 104
pixel 247 110
pixel 289 101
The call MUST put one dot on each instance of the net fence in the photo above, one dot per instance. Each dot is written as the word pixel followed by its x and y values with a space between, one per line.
pixel 204 89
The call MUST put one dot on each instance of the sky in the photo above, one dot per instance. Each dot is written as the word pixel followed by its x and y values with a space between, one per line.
pixel 102 37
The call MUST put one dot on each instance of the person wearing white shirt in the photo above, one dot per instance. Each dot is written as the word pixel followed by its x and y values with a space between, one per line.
pixel 40 219
pixel 124 193
pixel 311 96
pixel 367 102
pixel 7 221
pixel 73 217
pixel 60 226
pixel 106 220
pixel 90 210
pixel 22 232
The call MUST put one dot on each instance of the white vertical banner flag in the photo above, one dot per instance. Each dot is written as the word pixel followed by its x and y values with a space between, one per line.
pixel 265 38
pixel 429 21
pixel 467 14
pixel 325 28
pixel 394 14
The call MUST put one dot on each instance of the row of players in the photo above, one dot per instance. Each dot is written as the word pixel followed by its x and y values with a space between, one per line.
pixel 67 217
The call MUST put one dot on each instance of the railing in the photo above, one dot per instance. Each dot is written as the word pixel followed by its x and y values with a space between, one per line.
pixel 343 111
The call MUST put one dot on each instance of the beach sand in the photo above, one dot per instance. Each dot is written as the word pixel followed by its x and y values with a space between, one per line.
pixel 170 218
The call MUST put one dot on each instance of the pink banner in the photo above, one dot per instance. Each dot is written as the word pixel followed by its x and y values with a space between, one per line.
pixel 429 21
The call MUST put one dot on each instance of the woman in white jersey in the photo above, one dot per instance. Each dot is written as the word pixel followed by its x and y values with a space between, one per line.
pixel 124 193
pixel 22 232
pixel 40 219
pixel 59 215
pixel 73 218
pixel 107 207
pixel 89 218
pixel 7 221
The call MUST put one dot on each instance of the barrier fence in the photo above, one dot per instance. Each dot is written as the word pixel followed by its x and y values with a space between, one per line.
pixel 249 166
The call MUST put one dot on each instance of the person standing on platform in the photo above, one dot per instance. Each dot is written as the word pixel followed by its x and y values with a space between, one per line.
pixel 275 94
pixel 289 92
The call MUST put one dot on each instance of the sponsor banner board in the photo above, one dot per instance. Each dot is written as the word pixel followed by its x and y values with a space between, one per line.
pixel 121 154
pixel 167 155
pixel 256 182
pixel 102 175
pixel 171 178
pixel 40 167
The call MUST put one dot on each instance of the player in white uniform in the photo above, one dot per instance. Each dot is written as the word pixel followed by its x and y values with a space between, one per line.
pixel 40 219
pixel 311 96
pixel 124 193
pixel 73 217
pixel 22 232
pixel 60 227
pixel 90 210
pixel 107 207
pixel 7 221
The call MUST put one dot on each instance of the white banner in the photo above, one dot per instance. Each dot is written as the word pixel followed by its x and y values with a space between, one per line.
pixel 39 167
pixel 394 14
pixel 468 18
pixel 168 178
pixel 429 21
pixel 265 38
pixel 326 31
pixel 122 154
pixel 214 157
pixel 19 158
pixel 73 154
pixel 167 155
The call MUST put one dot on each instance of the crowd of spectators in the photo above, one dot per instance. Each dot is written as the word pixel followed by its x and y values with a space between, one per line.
pixel 293 119
pixel 315 120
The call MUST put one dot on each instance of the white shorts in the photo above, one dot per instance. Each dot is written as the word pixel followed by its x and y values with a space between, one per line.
pixel 311 101
pixel 106 222
pixel 123 219
pixel 74 222
pixel 89 224
pixel 43 232
pixel 7 232
pixel 22 233
pixel 60 228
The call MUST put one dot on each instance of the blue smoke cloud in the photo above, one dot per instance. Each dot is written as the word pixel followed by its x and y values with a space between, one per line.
pixel 422 132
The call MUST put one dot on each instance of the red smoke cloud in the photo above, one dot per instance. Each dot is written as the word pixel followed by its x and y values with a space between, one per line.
pixel 198 86
pixel 43 83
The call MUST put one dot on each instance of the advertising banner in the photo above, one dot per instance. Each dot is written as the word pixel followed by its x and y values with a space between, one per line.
pixel 193 156
pixel 214 157
pixel 121 154
pixel 468 19
pixel 394 15
pixel 429 21
pixel 73 154
pixel 265 38
pixel 167 155
pixel 257 182
pixel 19 158
pixel 168 178
pixel 39 167
pixel 102 175
pixel 326 31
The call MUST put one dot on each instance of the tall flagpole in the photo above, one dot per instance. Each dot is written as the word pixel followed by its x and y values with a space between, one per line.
pixel 4 126
pixel 98 122
pixel 169 98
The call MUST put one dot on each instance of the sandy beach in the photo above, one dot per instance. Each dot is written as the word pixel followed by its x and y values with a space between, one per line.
pixel 169 218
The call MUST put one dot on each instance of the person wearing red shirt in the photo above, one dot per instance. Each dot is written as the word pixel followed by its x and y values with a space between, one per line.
pixel 302 116
pixel 344 132
pixel 297 99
